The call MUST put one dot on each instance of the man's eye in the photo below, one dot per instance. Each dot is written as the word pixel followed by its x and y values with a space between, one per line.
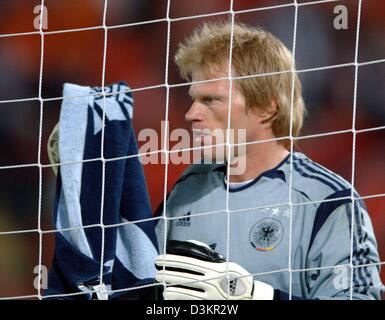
pixel 208 100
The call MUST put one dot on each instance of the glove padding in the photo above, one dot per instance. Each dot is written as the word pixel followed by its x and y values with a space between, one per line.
pixel 53 148
pixel 193 271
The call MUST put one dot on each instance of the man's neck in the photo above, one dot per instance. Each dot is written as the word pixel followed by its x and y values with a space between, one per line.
pixel 259 158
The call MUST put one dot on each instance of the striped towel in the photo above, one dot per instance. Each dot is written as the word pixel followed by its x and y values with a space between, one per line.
pixel 94 203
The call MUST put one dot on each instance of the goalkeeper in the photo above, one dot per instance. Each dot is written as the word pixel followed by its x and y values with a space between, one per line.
pixel 321 247
pixel 314 236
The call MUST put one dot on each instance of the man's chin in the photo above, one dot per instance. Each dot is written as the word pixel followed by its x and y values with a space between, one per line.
pixel 213 155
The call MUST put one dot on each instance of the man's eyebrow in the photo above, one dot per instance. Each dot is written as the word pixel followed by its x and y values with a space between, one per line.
pixel 204 95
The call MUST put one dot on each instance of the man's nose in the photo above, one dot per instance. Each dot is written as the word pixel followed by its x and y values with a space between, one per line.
pixel 193 114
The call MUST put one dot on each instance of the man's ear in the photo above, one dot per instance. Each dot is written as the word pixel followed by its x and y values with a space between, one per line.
pixel 269 114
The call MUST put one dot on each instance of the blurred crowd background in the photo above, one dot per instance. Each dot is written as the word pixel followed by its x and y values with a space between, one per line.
pixel 137 54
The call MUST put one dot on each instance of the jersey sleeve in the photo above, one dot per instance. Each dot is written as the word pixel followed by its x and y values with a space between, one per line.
pixel 343 261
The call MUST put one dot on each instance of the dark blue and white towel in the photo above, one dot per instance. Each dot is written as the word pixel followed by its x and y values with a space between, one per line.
pixel 129 250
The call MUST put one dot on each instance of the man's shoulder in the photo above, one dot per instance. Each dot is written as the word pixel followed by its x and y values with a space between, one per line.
pixel 316 181
pixel 194 183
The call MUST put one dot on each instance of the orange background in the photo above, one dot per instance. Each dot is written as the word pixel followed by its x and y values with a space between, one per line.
pixel 137 54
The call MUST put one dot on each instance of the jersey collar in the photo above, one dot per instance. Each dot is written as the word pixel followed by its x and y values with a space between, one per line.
pixel 276 172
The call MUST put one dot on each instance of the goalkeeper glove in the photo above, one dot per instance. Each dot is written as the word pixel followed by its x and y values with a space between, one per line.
pixel 53 149
pixel 192 270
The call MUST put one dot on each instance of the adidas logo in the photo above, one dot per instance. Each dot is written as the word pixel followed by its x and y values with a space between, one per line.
pixel 185 221
pixel 233 286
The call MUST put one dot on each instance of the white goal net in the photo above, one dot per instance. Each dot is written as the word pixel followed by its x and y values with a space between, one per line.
pixel 338 53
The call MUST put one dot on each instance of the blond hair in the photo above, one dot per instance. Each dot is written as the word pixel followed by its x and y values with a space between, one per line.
pixel 254 52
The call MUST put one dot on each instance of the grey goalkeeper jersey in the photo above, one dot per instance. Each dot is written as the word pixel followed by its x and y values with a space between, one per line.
pixel 260 231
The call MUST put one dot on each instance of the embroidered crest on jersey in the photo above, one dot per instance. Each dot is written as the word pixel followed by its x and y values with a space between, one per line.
pixel 266 234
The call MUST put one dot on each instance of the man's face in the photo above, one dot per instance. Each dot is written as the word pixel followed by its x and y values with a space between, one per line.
pixel 208 115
